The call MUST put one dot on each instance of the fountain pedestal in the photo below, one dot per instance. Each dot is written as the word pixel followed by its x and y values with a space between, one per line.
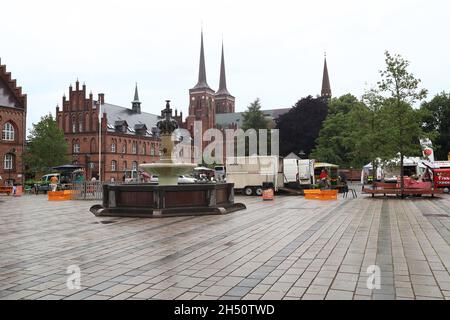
pixel 168 198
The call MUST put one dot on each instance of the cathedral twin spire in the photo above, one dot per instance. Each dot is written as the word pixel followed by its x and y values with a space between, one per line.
pixel 202 83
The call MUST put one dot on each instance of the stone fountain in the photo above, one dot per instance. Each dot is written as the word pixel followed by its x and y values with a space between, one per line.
pixel 167 169
pixel 167 198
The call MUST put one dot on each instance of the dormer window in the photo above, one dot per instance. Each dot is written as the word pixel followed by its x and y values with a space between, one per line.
pixel 121 126
pixel 140 129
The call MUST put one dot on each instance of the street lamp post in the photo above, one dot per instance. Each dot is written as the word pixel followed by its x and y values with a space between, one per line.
pixel 99 140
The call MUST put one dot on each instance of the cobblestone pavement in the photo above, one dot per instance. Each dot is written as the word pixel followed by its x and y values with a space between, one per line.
pixel 290 248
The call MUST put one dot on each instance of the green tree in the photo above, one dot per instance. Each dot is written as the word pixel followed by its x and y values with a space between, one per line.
pixel 254 119
pixel 300 127
pixel 339 137
pixel 397 91
pixel 436 121
pixel 47 147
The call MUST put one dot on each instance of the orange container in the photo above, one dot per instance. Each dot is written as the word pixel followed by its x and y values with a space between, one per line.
pixel 329 195
pixel 267 194
pixel 60 195
pixel 55 195
pixel 317 194
pixel 312 194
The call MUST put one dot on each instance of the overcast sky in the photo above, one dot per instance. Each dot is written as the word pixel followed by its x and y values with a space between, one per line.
pixel 273 49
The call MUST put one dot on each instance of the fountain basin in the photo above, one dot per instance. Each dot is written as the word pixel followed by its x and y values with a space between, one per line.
pixel 168 172
pixel 157 201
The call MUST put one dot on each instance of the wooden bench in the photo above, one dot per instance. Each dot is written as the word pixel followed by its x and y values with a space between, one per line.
pixel 391 188
pixel 7 190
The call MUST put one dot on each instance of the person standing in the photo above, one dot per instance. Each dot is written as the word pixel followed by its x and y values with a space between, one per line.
pixel 54 182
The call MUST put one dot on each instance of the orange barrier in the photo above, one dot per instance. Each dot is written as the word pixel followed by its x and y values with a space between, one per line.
pixel 267 194
pixel 60 195
pixel 312 194
pixel 317 194
pixel 329 195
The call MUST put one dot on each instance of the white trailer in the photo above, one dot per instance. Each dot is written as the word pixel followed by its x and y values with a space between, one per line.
pixel 299 173
pixel 249 173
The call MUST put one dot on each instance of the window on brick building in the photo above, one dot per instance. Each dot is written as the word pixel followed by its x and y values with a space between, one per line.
pixel 113 165
pixel 76 147
pixel 8 161
pixel 134 148
pixel 74 125
pixel 134 165
pixel 125 165
pixel 80 124
pixel 124 147
pixel 8 132
pixel 113 147
pixel 152 149
pixel 143 151
pixel 93 146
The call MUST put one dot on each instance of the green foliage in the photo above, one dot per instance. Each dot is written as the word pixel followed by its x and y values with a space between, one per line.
pixel 383 125
pixel 397 91
pixel 254 117
pixel 339 137
pixel 436 122
pixel 299 128
pixel 47 147
pixel 401 121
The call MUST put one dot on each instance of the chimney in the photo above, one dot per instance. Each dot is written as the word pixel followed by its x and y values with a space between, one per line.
pixel 101 98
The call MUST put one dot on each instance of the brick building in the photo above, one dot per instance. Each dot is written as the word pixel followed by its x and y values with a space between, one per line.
pixel 13 109
pixel 128 135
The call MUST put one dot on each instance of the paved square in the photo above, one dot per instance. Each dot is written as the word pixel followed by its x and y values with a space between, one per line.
pixel 289 248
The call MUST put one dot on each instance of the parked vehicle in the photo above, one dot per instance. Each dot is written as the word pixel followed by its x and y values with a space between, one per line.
pixel 183 179
pixel 219 173
pixel 43 185
pixel 250 173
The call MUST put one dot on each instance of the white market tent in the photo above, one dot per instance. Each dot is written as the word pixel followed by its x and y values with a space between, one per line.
pixel 407 161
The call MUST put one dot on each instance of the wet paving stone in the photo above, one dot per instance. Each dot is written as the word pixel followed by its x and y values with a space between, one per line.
pixel 289 248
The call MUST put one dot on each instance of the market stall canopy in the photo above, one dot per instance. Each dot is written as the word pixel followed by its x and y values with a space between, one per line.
pixel 67 167
pixel 325 165
pixel 202 169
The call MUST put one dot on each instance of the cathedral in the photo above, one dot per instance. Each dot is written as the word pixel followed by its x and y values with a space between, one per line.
pixel 216 109
pixel 205 104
